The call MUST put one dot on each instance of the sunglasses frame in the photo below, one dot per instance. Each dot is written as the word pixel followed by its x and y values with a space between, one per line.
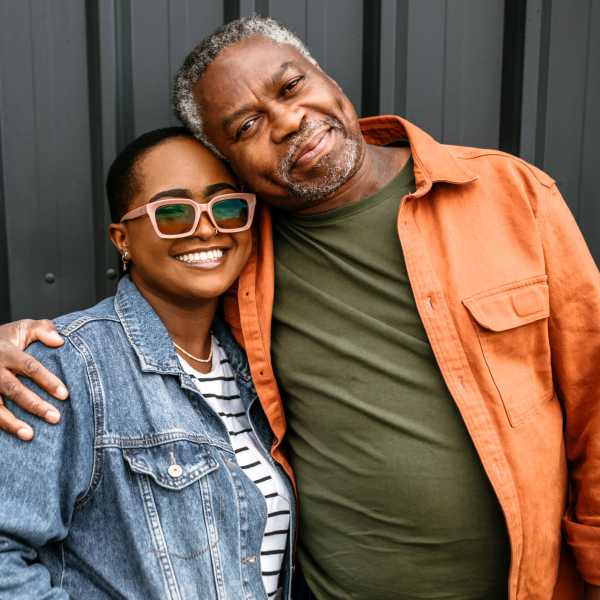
pixel 150 211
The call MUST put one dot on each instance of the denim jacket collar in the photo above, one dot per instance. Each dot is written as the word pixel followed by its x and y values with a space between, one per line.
pixel 151 341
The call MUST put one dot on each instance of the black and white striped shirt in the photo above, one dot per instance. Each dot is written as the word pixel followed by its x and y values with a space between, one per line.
pixel 219 389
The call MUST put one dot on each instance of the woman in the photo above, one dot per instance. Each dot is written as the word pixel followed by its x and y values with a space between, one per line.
pixel 158 482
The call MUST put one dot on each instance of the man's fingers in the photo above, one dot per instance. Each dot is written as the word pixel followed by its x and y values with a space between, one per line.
pixel 14 338
pixel 11 387
pixel 43 331
pixel 13 360
pixel 34 370
pixel 24 332
pixel 12 425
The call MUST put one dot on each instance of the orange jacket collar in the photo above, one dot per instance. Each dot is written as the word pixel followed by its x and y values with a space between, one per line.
pixel 432 160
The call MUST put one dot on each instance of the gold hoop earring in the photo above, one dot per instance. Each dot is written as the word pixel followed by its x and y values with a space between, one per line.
pixel 125 259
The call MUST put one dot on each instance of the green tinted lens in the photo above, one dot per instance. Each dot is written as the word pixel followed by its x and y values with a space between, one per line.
pixel 230 213
pixel 175 219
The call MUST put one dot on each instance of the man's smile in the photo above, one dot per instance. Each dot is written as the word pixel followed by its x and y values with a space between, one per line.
pixel 318 145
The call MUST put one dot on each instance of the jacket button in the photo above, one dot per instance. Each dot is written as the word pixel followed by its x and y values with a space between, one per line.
pixel 175 471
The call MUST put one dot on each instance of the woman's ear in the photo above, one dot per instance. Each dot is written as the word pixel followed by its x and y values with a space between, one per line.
pixel 118 236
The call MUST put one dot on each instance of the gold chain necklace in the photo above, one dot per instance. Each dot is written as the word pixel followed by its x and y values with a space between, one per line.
pixel 201 360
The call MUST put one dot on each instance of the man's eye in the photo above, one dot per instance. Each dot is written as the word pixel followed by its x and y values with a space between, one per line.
pixel 293 84
pixel 245 127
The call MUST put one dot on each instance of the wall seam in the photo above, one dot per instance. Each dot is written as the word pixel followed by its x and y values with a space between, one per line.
pixel 5 311
pixel 584 111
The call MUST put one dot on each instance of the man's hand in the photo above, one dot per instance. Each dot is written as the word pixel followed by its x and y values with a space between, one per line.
pixel 14 338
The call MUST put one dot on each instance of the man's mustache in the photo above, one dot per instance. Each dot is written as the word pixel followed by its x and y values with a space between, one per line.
pixel 298 139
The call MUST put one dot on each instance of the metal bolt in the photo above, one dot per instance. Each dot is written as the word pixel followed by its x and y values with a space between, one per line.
pixel 49 278
pixel 111 273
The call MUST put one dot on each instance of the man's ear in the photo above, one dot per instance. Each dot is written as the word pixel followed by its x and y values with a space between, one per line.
pixel 118 236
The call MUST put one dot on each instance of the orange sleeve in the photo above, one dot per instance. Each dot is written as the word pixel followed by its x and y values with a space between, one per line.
pixel 574 328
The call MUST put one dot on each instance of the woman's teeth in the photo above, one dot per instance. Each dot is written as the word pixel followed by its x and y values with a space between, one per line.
pixel 200 257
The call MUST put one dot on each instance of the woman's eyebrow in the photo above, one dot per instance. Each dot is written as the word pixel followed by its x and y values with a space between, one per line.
pixel 213 188
pixel 175 193
pixel 209 190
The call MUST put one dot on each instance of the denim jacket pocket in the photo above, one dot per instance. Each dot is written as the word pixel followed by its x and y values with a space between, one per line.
pixel 182 511
pixel 172 465
pixel 512 327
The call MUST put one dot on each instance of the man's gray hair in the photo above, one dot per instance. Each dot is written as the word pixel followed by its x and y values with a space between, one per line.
pixel 205 52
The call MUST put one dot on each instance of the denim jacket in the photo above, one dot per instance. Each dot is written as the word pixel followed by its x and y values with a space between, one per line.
pixel 90 509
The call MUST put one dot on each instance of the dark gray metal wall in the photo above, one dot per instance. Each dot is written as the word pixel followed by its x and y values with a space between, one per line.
pixel 78 80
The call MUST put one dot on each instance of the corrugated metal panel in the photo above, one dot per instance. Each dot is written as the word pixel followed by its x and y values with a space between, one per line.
pixel 79 80
pixel 46 156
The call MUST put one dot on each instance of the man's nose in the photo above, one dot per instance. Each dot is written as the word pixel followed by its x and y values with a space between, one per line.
pixel 285 121
pixel 205 229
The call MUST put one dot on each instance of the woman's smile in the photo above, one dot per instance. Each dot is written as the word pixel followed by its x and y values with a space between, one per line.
pixel 206 258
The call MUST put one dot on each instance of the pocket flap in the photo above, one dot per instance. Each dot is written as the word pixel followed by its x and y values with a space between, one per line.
pixel 174 465
pixel 511 305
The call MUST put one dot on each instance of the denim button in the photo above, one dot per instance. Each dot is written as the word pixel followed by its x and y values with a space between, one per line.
pixel 175 471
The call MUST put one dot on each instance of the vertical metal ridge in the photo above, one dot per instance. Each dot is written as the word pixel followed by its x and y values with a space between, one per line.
pixel 5 312
pixel 5 309
pixel 316 25
pixel 444 75
pixel 401 60
pixel 262 8
pixel 371 51
pixel 124 69
pixel 530 83
pixel 543 71
pixel 96 144
pixel 584 112
pixel 231 10
pixel 513 55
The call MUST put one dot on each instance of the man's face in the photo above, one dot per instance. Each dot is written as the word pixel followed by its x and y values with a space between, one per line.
pixel 286 128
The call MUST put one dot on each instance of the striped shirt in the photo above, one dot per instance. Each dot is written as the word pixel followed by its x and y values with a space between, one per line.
pixel 220 391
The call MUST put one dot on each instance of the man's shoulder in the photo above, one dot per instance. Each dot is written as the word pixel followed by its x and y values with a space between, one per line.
pixel 484 160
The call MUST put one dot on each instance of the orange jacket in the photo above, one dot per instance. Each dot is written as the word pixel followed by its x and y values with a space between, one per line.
pixel 510 299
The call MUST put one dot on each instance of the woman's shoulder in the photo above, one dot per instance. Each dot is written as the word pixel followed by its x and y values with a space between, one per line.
pixel 99 315
pixel 94 327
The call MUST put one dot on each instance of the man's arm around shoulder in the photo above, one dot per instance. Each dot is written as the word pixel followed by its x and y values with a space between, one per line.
pixel 14 339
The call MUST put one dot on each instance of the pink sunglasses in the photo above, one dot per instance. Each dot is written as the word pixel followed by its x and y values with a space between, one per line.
pixel 179 217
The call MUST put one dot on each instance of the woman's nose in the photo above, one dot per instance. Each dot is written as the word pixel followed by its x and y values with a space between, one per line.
pixel 205 229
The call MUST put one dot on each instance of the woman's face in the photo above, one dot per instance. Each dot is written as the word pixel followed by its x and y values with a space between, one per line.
pixel 174 269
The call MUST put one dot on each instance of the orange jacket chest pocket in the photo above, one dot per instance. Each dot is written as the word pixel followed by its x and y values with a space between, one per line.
pixel 512 327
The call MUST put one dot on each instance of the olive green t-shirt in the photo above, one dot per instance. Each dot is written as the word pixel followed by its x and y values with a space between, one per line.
pixel 394 502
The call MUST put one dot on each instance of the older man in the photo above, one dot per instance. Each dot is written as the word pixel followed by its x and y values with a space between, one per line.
pixel 431 315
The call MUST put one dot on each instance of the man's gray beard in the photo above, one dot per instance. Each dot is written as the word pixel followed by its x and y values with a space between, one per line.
pixel 334 176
